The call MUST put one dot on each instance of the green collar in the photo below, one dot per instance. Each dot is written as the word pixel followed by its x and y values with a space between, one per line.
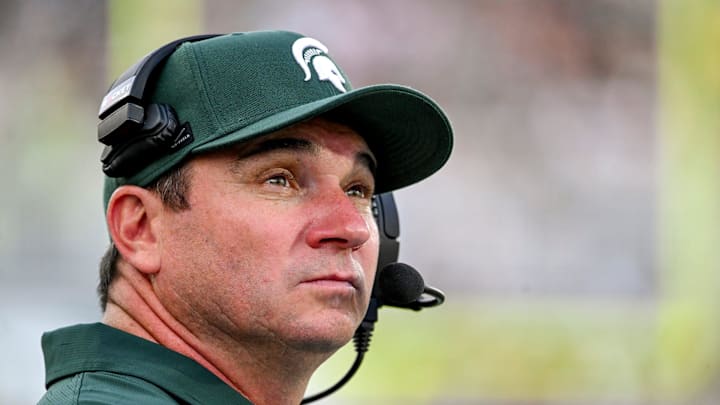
pixel 98 347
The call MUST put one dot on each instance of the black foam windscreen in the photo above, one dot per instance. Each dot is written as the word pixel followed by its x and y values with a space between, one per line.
pixel 399 284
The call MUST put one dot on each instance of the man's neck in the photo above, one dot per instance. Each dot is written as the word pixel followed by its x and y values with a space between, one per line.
pixel 262 372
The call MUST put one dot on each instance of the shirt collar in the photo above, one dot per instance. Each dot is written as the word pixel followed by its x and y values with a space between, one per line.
pixel 98 347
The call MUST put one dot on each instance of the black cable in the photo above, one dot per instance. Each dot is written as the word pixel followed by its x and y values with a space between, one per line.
pixel 355 366
pixel 361 341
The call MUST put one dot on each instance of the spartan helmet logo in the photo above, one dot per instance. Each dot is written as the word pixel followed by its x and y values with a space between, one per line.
pixel 306 50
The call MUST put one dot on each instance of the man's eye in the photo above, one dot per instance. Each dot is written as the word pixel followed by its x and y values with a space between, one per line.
pixel 281 180
pixel 358 191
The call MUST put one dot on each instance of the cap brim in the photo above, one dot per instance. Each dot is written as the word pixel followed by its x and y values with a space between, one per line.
pixel 408 133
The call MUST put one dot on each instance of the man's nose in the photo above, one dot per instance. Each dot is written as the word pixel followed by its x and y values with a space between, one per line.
pixel 337 222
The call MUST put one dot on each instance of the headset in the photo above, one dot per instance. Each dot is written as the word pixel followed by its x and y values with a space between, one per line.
pixel 136 132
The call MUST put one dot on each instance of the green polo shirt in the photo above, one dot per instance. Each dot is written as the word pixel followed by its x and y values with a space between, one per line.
pixel 98 364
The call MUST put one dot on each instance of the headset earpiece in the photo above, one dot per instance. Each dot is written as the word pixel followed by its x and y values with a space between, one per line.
pixel 386 217
pixel 134 131
pixel 161 133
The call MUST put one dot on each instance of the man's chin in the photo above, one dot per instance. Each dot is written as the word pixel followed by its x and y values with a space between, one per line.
pixel 325 338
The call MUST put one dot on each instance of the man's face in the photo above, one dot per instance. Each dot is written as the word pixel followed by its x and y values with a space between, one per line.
pixel 279 243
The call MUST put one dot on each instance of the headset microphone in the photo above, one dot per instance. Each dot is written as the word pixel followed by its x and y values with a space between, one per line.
pixel 400 285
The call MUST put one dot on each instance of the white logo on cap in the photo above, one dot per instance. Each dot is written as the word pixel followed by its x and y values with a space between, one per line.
pixel 306 50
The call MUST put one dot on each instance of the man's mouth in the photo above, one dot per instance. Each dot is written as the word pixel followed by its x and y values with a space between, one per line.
pixel 335 280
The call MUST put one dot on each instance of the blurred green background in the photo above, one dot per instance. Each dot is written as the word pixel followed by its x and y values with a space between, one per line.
pixel 576 229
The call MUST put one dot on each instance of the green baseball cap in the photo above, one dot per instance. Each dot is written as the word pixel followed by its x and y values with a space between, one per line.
pixel 235 87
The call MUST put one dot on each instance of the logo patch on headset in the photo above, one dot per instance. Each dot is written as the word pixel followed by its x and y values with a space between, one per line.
pixel 309 51
pixel 183 137
pixel 116 94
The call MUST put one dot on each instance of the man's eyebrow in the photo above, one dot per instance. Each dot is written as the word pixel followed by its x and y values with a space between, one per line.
pixel 301 145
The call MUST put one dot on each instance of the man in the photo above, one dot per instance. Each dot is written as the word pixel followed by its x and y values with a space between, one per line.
pixel 243 246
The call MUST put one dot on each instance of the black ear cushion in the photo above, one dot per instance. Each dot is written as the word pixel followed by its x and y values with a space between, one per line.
pixel 386 217
pixel 129 128
pixel 154 140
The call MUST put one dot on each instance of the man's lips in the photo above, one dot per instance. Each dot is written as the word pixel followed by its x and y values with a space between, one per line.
pixel 335 280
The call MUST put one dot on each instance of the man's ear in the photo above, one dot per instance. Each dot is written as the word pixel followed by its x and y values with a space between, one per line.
pixel 133 222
